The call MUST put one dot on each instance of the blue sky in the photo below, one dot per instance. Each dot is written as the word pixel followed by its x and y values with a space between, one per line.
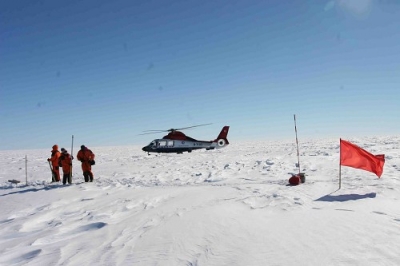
pixel 104 71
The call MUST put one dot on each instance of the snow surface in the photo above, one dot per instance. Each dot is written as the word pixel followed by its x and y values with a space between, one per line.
pixel 224 207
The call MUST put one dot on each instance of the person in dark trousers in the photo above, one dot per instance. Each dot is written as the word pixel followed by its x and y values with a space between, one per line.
pixel 86 156
pixel 65 162
pixel 55 155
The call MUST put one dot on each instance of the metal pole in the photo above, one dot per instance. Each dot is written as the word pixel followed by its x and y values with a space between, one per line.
pixel 72 152
pixel 72 145
pixel 297 143
pixel 340 164
pixel 26 169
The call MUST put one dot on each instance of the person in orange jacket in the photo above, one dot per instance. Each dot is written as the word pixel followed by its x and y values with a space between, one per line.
pixel 55 155
pixel 86 156
pixel 65 162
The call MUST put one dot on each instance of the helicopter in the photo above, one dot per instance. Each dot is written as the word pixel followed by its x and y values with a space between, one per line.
pixel 177 142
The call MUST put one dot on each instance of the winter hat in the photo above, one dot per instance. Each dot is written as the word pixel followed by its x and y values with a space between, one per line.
pixel 55 147
pixel 83 147
pixel 63 150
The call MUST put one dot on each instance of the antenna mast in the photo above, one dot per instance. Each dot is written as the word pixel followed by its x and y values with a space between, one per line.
pixel 297 143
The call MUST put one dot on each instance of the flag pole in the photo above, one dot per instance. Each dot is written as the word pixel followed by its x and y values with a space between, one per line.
pixel 340 165
pixel 297 143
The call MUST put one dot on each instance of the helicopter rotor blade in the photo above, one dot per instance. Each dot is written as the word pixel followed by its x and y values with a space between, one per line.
pixel 193 126
pixel 171 129
pixel 155 130
pixel 148 133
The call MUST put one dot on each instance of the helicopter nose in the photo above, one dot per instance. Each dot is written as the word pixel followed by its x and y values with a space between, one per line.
pixel 144 148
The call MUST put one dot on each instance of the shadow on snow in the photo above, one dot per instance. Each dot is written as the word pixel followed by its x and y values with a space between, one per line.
pixel 32 189
pixel 346 197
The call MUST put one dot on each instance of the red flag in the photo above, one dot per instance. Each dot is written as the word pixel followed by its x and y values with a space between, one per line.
pixel 353 156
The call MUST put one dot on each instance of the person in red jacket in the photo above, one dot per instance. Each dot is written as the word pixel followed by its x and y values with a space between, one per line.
pixel 65 162
pixel 55 155
pixel 86 156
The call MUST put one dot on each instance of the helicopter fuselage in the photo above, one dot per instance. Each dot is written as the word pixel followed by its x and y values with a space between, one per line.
pixel 177 146
pixel 177 142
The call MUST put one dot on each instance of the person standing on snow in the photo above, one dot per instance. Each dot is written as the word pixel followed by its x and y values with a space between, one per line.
pixel 55 155
pixel 86 156
pixel 65 162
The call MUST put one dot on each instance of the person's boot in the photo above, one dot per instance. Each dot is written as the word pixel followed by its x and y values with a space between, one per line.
pixel 85 175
